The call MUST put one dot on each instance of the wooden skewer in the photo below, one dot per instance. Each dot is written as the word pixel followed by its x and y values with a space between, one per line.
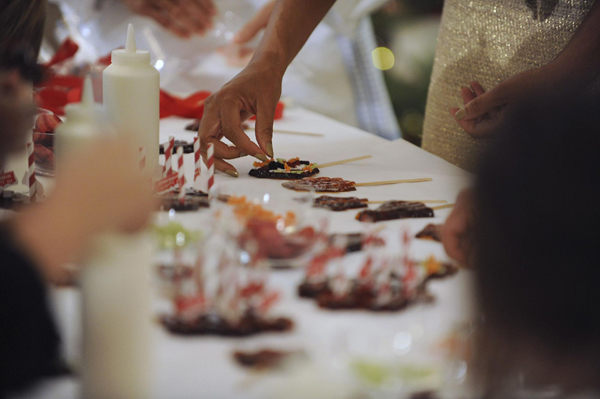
pixel 283 131
pixel 437 208
pixel 383 183
pixel 423 201
pixel 325 165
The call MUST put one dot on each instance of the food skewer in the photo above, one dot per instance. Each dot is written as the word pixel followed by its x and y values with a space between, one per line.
pixel 337 184
pixel 384 183
pixel 325 165
pixel 437 208
pixel 293 169
pixel 423 201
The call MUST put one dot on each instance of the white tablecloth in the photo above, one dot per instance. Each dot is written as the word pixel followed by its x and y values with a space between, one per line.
pixel 201 367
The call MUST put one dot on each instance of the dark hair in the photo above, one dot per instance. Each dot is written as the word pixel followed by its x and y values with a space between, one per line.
pixel 22 24
pixel 538 255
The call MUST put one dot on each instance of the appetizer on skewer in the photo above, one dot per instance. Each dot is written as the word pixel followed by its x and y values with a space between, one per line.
pixel 339 185
pixel 388 284
pixel 392 210
pixel 431 232
pixel 279 168
pixel 338 204
pixel 321 185
pixel 193 200
pixel 188 148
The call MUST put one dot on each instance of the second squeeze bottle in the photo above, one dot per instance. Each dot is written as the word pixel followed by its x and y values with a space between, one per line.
pixel 131 91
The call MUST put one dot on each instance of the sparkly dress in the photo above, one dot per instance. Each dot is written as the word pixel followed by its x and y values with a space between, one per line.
pixel 489 41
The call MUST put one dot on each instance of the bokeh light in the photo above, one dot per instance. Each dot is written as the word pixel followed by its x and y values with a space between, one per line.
pixel 383 58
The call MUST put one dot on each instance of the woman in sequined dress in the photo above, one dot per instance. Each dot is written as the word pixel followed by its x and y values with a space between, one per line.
pixel 521 49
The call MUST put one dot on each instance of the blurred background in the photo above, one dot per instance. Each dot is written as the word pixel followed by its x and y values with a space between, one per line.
pixel 408 28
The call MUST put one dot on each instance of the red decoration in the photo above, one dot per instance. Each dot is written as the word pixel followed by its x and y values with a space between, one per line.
pixel 7 179
pixel 59 90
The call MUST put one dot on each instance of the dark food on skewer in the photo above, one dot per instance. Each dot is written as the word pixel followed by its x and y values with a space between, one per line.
pixel 362 297
pixel 188 148
pixel 262 360
pixel 248 325
pixel 194 200
pixel 292 169
pixel 194 126
pixel 431 232
pixel 356 241
pixel 396 210
pixel 375 288
pixel 338 204
pixel 321 185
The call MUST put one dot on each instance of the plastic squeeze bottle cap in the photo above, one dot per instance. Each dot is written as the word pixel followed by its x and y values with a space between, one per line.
pixel 130 55
pixel 87 108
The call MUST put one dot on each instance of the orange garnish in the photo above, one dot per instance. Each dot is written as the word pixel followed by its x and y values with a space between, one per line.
pixel 432 265
pixel 260 164
pixel 287 167
pixel 246 210
pixel 293 160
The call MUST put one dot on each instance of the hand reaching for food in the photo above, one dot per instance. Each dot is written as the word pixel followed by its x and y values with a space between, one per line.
pixel 183 18
pixel 255 91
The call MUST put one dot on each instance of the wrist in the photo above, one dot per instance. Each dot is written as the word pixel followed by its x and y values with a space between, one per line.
pixel 270 61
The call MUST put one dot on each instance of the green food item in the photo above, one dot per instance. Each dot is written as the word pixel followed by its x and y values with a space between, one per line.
pixel 281 160
pixel 411 373
pixel 378 374
pixel 371 372
pixel 173 235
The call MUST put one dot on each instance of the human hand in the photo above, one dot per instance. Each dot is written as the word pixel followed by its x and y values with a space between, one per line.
pixel 255 91
pixel 237 53
pixel 457 232
pixel 107 193
pixel 182 17
pixel 255 25
pixel 484 112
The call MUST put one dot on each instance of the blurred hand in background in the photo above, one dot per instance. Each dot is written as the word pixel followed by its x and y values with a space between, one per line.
pixel 184 18
pixel 457 233
pixel 240 52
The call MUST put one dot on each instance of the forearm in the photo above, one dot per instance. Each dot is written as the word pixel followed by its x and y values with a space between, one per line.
pixel 579 62
pixel 290 26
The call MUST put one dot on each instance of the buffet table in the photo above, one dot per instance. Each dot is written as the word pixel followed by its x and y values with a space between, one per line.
pixel 203 367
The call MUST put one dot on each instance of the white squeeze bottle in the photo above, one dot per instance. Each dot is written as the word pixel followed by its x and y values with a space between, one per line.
pixel 131 92
pixel 117 319
pixel 80 127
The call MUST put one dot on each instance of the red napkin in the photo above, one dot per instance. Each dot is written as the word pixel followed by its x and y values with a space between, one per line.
pixel 67 50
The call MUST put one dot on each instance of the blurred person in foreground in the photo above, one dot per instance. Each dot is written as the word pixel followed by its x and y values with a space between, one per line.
pixel 94 195
pixel 528 228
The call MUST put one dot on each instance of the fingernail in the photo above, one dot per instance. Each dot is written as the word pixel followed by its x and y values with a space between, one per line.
pixel 460 114
pixel 270 150
pixel 243 154
pixel 262 157
pixel 232 173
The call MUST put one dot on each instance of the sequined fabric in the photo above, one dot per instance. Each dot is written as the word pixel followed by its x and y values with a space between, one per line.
pixel 489 41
